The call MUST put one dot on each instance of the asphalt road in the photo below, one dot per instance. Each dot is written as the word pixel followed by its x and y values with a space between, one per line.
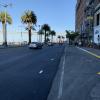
pixel 28 74
pixel 80 79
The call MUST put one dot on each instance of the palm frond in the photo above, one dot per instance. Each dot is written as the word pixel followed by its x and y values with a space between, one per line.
pixel 53 33
pixel 46 27
pixel 8 18
pixel 29 17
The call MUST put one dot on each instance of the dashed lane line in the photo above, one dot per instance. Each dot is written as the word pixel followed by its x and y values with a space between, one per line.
pixel 41 71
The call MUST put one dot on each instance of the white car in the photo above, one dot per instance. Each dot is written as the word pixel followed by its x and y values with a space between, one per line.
pixel 35 45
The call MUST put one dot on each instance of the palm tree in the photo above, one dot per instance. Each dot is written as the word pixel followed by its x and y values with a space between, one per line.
pixel 63 38
pixel 4 21
pixel 59 37
pixel 68 35
pixel 40 33
pixel 30 19
pixel 46 29
pixel 71 35
pixel 52 33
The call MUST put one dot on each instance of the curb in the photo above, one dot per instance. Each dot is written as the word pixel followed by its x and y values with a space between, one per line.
pixel 55 92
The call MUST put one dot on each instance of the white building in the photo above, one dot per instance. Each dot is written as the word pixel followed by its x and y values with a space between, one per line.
pixel 97 25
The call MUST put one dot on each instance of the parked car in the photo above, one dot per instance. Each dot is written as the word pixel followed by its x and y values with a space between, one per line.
pixel 35 45
pixel 50 44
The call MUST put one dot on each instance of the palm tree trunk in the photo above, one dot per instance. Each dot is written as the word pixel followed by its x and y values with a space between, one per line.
pixel 59 40
pixel 69 41
pixel 45 37
pixel 52 38
pixel 29 36
pixel 4 34
pixel 41 38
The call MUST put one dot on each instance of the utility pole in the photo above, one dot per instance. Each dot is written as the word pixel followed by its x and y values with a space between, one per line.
pixel 21 32
pixel 38 34
pixel 40 38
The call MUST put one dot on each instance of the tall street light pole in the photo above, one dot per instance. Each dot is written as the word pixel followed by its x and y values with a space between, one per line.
pixel 5 26
pixel 39 34
pixel 21 32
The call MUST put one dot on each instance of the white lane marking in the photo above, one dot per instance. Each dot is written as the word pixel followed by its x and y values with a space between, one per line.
pixel 60 92
pixel 41 71
pixel 52 59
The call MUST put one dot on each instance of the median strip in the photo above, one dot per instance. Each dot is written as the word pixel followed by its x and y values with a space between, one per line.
pixel 91 53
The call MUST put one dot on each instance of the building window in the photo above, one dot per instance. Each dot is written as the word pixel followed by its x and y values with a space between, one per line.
pixel 98 19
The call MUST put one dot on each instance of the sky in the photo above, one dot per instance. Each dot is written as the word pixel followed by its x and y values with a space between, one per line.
pixel 59 14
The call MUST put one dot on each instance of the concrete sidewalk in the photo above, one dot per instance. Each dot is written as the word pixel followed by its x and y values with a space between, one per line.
pixel 77 77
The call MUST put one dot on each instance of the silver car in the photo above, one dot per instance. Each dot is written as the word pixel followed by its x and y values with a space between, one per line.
pixel 35 45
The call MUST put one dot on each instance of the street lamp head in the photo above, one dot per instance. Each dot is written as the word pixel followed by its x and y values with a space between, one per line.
pixel 6 5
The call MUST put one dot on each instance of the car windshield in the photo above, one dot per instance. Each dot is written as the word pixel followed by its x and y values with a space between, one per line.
pixel 49 49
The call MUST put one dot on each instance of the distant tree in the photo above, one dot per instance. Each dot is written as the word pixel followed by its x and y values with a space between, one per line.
pixel 47 40
pixel 46 29
pixel 2 20
pixel 59 37
pixel 68 35
pixel 63 38
pixel 52 33
pixel 30 19
pixel 71 35
pixel 74 35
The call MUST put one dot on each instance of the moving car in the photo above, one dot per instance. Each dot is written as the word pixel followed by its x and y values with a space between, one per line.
pixel 35 45
pixel 50 44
